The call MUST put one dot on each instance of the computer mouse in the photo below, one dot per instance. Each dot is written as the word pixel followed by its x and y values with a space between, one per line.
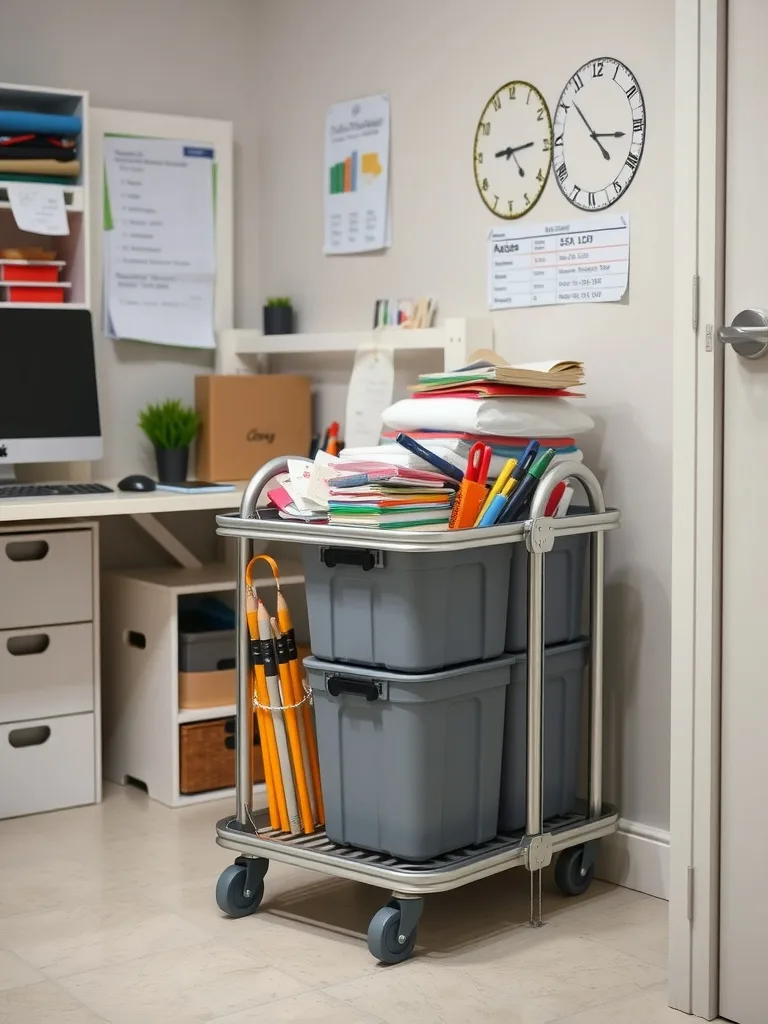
pixel 136 482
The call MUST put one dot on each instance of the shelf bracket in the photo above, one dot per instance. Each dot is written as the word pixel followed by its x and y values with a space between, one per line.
pixel 152 526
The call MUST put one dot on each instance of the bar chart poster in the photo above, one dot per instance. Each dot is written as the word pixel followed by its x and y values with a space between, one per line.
pixel 357 176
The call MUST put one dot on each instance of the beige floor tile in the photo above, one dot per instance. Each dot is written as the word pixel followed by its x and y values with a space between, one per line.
pixel 312 1008
pixel 194 984
pixel 646 1007
pixel 14 972
pixel 82 938
pixel 44 1003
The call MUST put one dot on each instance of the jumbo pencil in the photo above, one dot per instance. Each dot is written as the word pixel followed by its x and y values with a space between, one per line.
pixel 292 724
pixel 273 690
pixel 266 732
pixel 306 719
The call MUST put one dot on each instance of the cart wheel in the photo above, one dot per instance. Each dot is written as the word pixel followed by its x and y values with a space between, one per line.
pixel 384 937
pixel 571 878
pixel 231 894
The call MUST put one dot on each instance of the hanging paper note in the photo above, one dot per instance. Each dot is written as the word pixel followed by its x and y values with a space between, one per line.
pixel 559 263
pixel 371 387
pixel 38 209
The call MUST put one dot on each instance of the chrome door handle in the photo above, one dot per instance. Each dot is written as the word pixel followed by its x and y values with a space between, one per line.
pixel 748 333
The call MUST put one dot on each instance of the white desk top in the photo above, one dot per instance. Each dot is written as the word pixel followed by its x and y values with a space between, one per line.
pixel 120 503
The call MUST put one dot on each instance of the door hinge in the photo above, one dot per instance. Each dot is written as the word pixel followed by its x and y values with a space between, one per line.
pixel 690 894
pixel 695 303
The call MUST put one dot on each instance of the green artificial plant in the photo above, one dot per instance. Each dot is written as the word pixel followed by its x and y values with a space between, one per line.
pixel 169 425
pixel 279 301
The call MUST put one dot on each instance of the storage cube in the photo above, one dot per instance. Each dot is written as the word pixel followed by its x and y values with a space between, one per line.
pixel 410 764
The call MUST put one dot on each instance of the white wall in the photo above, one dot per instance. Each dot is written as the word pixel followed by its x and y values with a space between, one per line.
pixel 440 60
pixel 191 57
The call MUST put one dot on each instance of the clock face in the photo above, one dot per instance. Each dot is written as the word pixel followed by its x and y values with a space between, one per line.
pixel 599 134
pixel 513 150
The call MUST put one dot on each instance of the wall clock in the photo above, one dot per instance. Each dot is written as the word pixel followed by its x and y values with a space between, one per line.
pixel 599 134
pixel 513 149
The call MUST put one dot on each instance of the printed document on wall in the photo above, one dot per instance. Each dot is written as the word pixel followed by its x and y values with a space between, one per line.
pixel 559 263
pixel 357 176
pixel 159 244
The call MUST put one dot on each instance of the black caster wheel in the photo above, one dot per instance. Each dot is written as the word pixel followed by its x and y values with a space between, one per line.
pixel 384 937
pixel 571 877
pixel 240 888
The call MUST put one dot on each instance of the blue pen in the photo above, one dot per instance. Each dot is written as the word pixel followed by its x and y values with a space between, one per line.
pixel 446 468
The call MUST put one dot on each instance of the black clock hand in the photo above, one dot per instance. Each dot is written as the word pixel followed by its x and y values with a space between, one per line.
pixel 592 134
pixel 511 150
pixel 609 135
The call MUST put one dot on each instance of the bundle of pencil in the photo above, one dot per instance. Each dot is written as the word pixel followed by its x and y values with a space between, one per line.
pixel 285 721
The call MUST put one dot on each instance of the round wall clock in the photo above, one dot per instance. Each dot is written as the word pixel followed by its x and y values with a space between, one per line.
pixel 513 150
pixel 599 134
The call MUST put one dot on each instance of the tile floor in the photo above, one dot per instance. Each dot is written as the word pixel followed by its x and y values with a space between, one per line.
pixel 107 914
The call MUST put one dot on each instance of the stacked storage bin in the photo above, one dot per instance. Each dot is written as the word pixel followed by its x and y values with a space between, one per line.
pixel 419 683
pixel 409 681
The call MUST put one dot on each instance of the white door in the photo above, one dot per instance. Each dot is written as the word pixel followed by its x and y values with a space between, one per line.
pixel 744 750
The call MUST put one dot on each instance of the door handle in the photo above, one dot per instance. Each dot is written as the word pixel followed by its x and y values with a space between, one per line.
pixel 748 334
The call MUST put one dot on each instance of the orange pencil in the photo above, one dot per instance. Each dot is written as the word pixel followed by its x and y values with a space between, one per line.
pixel 292 723
pixel 307 724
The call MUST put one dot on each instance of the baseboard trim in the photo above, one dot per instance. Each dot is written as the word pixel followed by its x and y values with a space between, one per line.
pixel 637 856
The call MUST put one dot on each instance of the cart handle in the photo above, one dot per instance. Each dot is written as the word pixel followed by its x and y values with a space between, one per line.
pixel 259 481
pixel 567 471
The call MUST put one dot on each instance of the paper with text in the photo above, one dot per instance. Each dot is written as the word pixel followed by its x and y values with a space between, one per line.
pixel 559 263
pixel 38 209
pixel 159 244
pixel 371 387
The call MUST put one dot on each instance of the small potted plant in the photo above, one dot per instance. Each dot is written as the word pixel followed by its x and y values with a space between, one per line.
pixel 171 428
pixel 278 316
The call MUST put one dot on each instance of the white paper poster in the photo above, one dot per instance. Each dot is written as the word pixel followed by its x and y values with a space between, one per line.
pixel 357 176
pixel 39 209
pixel 563 262
pixel 371 387
pixel 159 246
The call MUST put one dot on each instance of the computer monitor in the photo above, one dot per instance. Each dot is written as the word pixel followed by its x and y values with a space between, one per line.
pixel 49 405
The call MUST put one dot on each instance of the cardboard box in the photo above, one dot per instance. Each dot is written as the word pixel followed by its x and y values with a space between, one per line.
pixel 248 420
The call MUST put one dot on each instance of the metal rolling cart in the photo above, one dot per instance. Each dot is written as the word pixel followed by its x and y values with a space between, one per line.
pixel 392 930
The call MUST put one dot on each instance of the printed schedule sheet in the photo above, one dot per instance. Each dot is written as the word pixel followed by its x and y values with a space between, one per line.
pixel 563 262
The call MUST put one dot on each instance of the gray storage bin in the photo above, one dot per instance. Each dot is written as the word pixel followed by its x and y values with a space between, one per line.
pixel 410 764
pixel 563 691
pixel 564 568
pixel 209 651
pixel 407 612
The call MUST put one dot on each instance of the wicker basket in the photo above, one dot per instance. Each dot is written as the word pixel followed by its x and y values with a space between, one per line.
pixel 207 756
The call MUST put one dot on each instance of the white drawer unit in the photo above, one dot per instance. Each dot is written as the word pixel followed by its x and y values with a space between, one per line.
pixel 47 763
pixel 46 670
pixel 50 687
pixel 46 578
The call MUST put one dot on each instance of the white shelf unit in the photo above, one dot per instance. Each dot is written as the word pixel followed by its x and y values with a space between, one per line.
pixel 74 248
pixel 456 339
pixel 141 698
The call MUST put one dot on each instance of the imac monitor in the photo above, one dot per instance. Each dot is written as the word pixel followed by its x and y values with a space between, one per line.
pixel 49 405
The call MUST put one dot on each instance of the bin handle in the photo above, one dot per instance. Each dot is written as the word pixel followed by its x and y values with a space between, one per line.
pixel 337 685
pixel 332 557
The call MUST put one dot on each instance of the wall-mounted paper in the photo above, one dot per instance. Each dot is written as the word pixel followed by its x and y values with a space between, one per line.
pixel 159 249
pixel 563 262
pixel 357 176
pixel 371 388
pixel 39 209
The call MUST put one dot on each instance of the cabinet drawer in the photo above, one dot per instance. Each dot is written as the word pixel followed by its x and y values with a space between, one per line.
pixel 45 578
pixel 46 764
pixel 48 669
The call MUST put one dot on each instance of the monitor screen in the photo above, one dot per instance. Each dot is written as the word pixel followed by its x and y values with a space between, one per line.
pixel 49 408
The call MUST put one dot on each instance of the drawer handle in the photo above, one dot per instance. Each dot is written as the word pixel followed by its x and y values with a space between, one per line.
pixel 27 550
pixel 32 736
pixel 32 643
pixel 225 663
pixel 135 639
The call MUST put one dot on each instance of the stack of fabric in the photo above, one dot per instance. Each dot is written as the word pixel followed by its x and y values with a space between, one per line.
pixel 39 147
pixel 389 497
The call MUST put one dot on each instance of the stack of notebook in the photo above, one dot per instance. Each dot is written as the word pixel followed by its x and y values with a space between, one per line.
pixel 392 498
pixel 39 147
pixel 488 376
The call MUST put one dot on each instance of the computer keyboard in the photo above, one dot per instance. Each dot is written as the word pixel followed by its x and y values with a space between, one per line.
pixel 49 490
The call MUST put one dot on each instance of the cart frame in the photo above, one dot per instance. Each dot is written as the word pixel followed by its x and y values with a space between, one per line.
pixel 395 925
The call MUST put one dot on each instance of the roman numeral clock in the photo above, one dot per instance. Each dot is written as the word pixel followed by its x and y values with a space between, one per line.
pixel 599 130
